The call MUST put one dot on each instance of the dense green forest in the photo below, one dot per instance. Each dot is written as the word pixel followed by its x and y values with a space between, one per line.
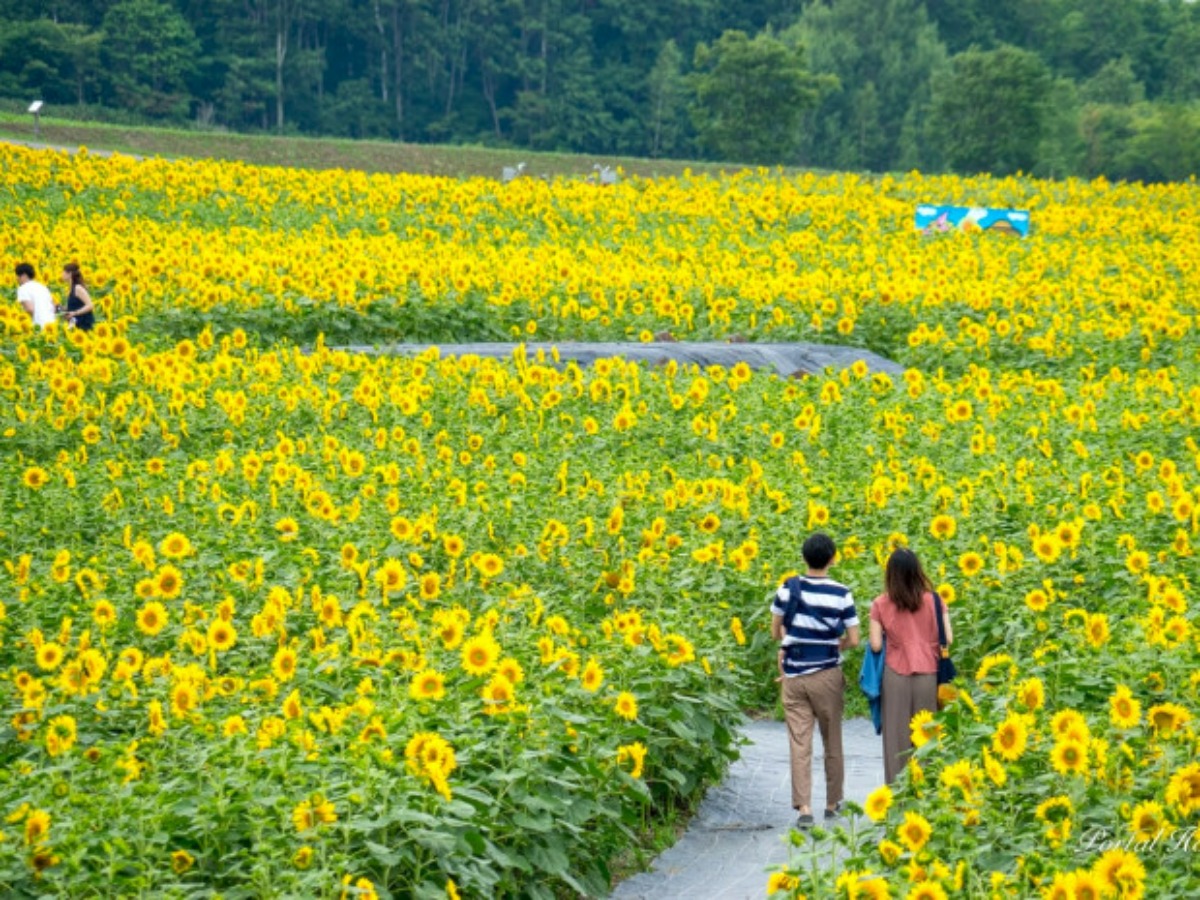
pixel 1053 87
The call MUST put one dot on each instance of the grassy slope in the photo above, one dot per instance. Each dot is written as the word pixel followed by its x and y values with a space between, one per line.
pixel 327 153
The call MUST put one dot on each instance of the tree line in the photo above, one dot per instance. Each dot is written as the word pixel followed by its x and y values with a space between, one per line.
pixel 1052 87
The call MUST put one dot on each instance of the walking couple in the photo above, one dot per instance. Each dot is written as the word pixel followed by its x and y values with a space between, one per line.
pixel 78 310
pixel 814 619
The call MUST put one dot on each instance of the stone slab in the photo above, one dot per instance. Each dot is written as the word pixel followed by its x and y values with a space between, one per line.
pixel 786 359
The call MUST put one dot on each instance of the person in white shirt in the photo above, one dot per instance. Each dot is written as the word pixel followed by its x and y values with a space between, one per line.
pixel 34 296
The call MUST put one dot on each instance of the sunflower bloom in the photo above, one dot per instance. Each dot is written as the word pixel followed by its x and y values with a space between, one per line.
pixel 593 676
pixel 168 582
pixel 626 706
pixel 221 635
pixel 943 527
pixel 878 802
pixel 914 831
pixel 152 618
pixel 1124 711
pixel 1069 756
pixel 635 754
pixel 923 728
pixel 284 664
pixel 1148 822
pixel 175 546
pixel 49 655
pixel 37 828
pixel 1010 738
pixel 428 684
pixel 480 654
pixel 1183 790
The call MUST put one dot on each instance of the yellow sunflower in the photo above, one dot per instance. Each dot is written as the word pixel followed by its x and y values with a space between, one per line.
pixel 878 802
pixel 37 828
pixel 35 478
pixel 431 586
pixel 490 565
pixel 1148 822
pixel 175 546
pixel 923 728
pixel 288 529
pixel 480 654
pixel 49 656
pixel 914 831
pixel 1069 756
pixel 1183 790
pixel 498 695
pixel 168 583
pixel 152 618
pixel 1031 693
pixel 284 664
pixel 391 577
pixel 1123 708
pixel 926 890
pixel 104 614
pixel 1121 873
pixel 971 563
pixel 593 676
pixel 221 635
pixel 626 706
pixel 1167 718
pixel 1010 738
pixel 510 669
pixel 428 684
pixel 293 707
pixel 943 527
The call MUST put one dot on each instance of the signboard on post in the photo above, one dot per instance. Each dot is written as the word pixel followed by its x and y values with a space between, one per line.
pixel 933 219
pixel 36 109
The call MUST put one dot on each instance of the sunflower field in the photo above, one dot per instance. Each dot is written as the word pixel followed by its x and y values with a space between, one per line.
pixel 281 620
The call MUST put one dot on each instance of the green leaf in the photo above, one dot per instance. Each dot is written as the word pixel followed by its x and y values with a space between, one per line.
pixel 541 823
pixel 440 842
pixel 550 857
pixel 384 855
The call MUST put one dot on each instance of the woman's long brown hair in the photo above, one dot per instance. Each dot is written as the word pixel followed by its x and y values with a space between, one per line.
pixel 72 269
pixel 905 581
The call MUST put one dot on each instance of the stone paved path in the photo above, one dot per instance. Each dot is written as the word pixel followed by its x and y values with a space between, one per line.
pixel 742 825
pixel 38 145
pixel 785 359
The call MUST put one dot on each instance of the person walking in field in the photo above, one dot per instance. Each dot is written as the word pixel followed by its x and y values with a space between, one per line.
pixel 813 618
pixel 904 614
pixel 79 309
pixel 34 296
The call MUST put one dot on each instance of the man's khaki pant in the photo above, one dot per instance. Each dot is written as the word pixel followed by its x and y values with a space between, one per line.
pixel 818 697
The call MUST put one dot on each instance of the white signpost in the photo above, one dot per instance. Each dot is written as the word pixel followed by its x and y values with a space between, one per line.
pixel 36 109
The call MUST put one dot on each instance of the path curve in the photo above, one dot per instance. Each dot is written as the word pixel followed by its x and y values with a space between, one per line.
pixel 740 830
pixel 787 359
pixel 62 148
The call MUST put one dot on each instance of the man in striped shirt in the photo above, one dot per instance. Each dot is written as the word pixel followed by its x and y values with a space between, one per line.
pixel 820 623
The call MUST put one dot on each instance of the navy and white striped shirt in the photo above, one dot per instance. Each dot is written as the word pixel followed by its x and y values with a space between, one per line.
pixel 824 613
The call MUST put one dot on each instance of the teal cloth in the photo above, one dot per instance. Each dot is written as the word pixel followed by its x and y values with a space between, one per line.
pixel 870 681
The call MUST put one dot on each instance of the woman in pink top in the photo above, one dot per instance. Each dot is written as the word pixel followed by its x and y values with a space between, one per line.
pixel 904 614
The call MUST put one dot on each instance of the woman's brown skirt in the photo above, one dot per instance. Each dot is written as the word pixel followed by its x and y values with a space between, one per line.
pixel 903 696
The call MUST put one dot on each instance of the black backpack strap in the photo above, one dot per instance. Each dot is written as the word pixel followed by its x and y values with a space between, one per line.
pixel 789 611
pixel 941 626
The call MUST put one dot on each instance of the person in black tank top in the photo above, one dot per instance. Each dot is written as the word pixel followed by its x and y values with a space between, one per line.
pixel 80 310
